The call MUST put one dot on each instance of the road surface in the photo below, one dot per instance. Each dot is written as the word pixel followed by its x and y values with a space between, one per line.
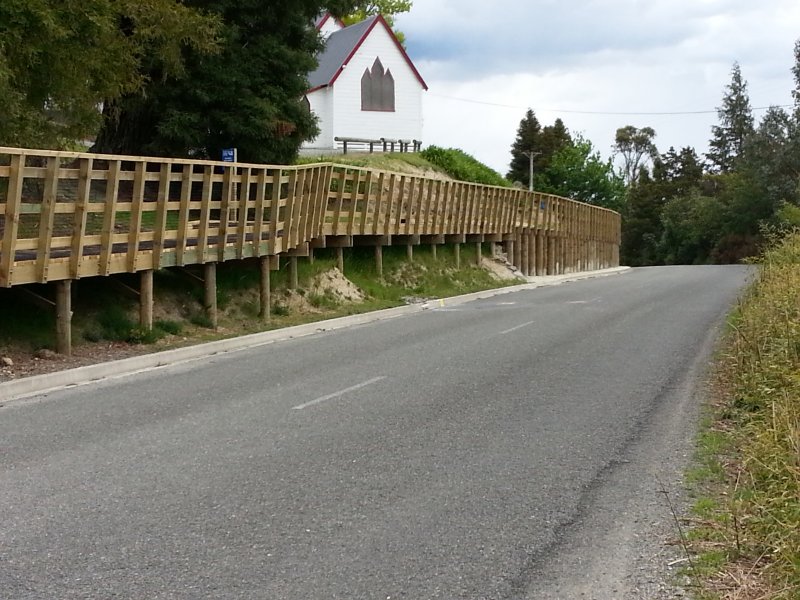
pixel 513 447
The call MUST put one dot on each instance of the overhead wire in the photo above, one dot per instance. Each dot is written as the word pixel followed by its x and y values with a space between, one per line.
pixel 599 112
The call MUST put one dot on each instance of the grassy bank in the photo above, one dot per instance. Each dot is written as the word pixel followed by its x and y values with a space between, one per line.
pixel 747 530
pixel 105 313
pixel 433 161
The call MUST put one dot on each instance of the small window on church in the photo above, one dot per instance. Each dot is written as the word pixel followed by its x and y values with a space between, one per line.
pixel 377 89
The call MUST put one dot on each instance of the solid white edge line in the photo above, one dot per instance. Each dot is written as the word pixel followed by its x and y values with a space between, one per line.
pixel 513 329
pixel 339 393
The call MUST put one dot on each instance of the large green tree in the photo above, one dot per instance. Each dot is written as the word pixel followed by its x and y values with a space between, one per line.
pixel 248 95
pixel 526 143
pixel 577 171
pixel 674 174
pixel 60 59
pixel 735 124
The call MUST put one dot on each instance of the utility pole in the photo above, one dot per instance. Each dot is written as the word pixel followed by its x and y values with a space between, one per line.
pixel 531 155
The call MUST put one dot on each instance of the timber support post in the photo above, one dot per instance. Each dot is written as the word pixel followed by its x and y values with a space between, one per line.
pixel 478 253
pixel 265 291
pixel 340 258
pixel 457 250
pixel 524 254
pixel 146 300
pixel 210 280
pixel 529 243
pixel 410 252
pixel 379 260
pixel 540 247
pixel 293 283
pixel 64 317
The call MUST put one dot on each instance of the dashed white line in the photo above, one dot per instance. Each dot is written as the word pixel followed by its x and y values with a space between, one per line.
pixel 339 393
pixel 518 327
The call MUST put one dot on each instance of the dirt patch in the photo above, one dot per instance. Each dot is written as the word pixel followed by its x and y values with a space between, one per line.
pixel 334 284
pixel 501 270
pixel 292 301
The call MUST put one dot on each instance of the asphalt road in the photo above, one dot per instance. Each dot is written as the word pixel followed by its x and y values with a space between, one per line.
pixel 499 449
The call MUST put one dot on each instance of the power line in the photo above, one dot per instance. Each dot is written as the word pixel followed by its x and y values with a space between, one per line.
pixel 602 113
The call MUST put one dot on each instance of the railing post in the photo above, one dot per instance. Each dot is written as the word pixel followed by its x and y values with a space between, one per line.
pixel 12 214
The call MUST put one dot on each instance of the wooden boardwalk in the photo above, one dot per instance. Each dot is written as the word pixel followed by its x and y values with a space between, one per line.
pixel 66 216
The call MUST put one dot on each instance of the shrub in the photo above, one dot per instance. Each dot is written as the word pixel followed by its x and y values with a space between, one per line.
pixel 460 165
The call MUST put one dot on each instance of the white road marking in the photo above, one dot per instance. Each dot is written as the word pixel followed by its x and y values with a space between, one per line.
pixel 339 393
pixel 517 328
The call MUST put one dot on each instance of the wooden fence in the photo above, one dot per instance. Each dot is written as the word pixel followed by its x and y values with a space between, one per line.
pixel 66 216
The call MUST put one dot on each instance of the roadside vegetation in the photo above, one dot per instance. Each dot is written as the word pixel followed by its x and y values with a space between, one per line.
pixel 105 313
pixel 747 526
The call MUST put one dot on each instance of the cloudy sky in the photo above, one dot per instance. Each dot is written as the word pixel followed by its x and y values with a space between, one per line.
pixel 584 60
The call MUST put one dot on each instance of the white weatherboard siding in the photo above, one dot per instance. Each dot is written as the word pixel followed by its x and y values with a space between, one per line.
pixel 322 106
pixel 348 118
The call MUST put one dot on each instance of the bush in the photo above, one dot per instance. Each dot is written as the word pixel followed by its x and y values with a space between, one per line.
pixel 460 165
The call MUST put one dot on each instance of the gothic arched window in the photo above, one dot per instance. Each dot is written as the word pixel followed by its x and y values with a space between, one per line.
pixel 377 89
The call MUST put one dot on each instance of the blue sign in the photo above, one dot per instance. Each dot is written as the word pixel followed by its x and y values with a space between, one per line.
pixel 228 154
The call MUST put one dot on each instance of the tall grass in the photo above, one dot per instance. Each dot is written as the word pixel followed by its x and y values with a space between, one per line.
pixel 757 533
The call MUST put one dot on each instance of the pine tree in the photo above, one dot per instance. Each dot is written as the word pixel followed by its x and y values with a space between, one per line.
pixel 736 124
pixel 527 141
pixel 247 96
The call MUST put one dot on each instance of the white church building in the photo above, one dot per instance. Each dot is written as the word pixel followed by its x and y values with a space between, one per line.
pixel 365 86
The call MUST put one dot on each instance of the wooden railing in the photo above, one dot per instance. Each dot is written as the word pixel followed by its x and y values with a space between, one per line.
pixel 65 215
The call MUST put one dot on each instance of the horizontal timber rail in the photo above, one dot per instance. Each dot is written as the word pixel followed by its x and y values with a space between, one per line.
pixel 66 216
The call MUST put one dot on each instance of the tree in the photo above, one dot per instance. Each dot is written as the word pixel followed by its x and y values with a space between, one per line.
pixel 675 175
pixel 578 171
pixel 526 142
pixel 59 60
pixel 641 226
pixel 248 95
pixel 387 8
pixel 635 146
pixel 553 138
pixel 736 124
pixel 692 225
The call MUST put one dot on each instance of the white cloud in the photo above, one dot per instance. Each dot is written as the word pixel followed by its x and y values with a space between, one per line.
pixel 595 56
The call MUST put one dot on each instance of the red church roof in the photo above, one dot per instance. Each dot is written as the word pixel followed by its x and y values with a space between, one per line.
pixel 342 45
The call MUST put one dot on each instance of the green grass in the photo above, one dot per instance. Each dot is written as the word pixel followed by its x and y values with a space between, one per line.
pixel 748 478
pixel 460 165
